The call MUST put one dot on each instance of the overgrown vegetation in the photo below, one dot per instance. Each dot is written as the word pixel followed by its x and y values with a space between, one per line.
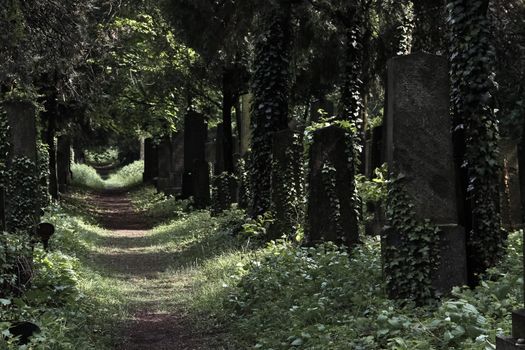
pixel 128 176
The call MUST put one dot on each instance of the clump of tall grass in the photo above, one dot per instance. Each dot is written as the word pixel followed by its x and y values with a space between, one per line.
pixel 87 177
pixel 128 176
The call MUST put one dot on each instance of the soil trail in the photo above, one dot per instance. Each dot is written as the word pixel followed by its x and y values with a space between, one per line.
pixel 158 322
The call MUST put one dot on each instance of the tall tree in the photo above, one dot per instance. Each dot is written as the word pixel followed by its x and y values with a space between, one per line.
pixel 475 132
pixel 271 92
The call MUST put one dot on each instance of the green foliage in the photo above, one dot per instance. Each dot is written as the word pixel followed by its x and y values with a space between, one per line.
pixel 288 202
pixel 373 193
pixel 127 176
pixel 43 171
pixel 85 176
pixel 270 86
pixel 476 128
pixel 409 264
pixel 222 191
pixel 21 192
pixel 158 205
pixel 257 227
pixel 320 298
pixel 107 156
pixel 58 300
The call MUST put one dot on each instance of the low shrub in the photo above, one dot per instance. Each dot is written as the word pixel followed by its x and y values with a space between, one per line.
pixel 322 298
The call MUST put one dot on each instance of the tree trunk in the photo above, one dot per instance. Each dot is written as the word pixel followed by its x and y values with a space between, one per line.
pixel 50 115
pixel 228 100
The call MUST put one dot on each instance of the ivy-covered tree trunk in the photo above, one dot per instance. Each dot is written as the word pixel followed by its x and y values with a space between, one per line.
pixel 271 90
pixel 351 100
pixel 475 132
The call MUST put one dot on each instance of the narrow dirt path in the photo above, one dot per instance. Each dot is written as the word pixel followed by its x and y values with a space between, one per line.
pixel 130 257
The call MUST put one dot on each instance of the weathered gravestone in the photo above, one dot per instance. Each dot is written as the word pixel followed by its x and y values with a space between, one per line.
pixel 286 182
pixel 331 215
pixel 63 162
pixel 164 154
pixel 177 160
pixel 195 136
pixel 21 198
pixel 510 192
pixel 201 183
pixel 419 153
pixel 376 150
pixel 151 166
pixel 224 183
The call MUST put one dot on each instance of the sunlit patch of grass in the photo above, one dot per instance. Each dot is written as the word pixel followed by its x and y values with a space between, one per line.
pixel 85 176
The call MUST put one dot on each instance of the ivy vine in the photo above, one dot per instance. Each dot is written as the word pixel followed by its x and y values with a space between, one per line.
pixel 476 130
pixel 287 191
pixel 270 86
pixel 411 252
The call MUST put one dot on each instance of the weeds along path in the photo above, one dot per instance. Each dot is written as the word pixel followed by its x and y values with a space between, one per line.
pixel 147 277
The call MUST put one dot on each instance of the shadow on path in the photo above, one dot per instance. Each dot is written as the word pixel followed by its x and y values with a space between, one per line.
pixel 128 255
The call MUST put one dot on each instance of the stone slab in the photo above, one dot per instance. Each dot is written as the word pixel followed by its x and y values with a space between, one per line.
pixel 518 324
pixel 507 343
pixel 328 149
pixel 418 137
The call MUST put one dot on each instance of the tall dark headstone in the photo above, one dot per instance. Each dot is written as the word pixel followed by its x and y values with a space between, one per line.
pixel 201 183
pixel 418 141
pixel 177 160
pixel 151 165
pixel 164 151
pixel 21 117
pixel 195 135
pixel 63 162
pixel 331 215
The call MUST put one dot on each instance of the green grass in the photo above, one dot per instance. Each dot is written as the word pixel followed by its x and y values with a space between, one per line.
pixel 85 176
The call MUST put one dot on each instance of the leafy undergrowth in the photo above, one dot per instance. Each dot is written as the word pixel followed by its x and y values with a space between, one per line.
pixel 283 296
pixel 85 176
pixel 280 296
pixel 319 298
pixel 68 299
pixel 158 205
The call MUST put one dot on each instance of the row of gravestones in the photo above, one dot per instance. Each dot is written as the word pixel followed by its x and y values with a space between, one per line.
pixel 416 143
pixel 183 163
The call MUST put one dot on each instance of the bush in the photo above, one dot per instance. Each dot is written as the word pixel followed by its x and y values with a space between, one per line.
pixel 128 176
pixel 86 176
pixel 322 298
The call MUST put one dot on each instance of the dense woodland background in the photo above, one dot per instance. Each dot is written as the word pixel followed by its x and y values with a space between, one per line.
pixel 107 81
